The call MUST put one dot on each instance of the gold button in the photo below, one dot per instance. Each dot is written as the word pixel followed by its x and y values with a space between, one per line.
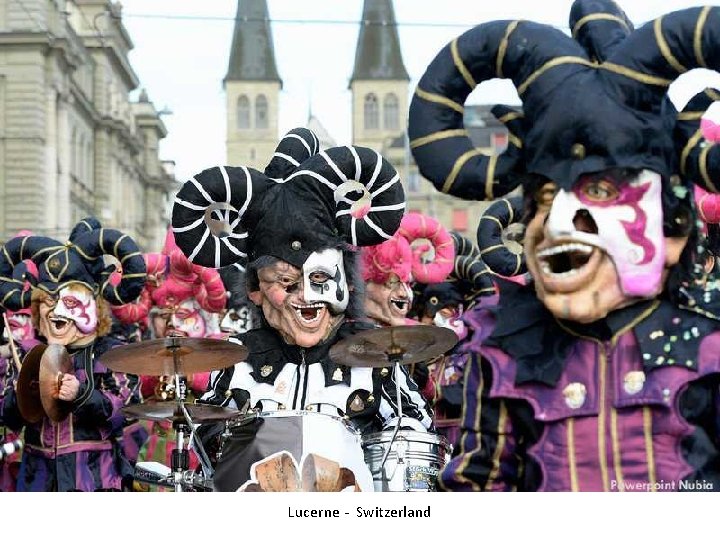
pixel 309 408
pixel 384 371
pixel 281 407
pixel 228 393
pixel 296 245
pixel 578 151
pixel 371 399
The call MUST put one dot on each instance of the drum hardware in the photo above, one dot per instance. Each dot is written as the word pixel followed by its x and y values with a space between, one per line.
pixel 157 474
pixel 11 343
pixel 393 346
pixel 174 355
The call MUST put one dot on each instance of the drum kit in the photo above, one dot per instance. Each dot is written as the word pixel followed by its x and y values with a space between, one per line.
pixel 397 460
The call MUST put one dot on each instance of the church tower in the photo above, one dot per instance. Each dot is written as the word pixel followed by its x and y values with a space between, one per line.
pixel 379 83
pixel 252 87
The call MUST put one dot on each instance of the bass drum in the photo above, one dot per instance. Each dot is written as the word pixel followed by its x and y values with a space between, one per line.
pixel 414 461
pixel 292 451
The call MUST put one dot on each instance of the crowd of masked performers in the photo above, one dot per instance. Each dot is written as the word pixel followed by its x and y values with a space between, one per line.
pixel 586 307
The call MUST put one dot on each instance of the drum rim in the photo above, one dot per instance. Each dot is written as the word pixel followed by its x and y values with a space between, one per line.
pixel 407 435
pixel 292 413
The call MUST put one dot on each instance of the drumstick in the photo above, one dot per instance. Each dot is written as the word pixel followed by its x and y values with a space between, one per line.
pixel 11 342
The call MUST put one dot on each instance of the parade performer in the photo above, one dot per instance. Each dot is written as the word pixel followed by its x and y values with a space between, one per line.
pixel 592 377
pixel 297 225
pixel 69 308
pixel 180 299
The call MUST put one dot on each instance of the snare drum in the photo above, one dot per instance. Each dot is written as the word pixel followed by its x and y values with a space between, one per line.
pixel 414 461
pixel 292 451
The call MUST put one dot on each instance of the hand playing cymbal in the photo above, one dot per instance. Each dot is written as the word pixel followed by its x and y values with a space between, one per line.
pixel 68 386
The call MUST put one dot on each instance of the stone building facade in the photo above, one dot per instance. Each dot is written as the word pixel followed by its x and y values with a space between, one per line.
pixel 72 144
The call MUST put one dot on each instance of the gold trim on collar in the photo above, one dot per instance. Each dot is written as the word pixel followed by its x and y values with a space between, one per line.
pixel 437 98
pixel 502 49
pixel 697 38
pixel 515 140
pixel 460 65
pixel 617 455
pixel 702 158
pixel 692 142
pixel 650 454
pixel 644 315
pixel 502 418
pixel 598 17
pixel 438 135
pixel 572 461
pixel 459 162
pixel 665 49
pixel 505 118
pixel 557 61
pixel 490 176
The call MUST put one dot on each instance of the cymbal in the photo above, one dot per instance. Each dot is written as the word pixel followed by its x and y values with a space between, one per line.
pixel 412 344
pixel 55 360
pixel 28 388
pixel 168 410
pixel 155 357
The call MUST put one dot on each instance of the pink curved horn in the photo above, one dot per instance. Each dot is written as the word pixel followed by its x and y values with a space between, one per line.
pixel 708 205
pixel 416 226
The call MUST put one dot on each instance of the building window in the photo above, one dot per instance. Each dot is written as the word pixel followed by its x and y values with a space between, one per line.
pixel 372 114
pixel 390 112
pixel 261 112
pixel 459 220
pixel 413 182
pixel 243 113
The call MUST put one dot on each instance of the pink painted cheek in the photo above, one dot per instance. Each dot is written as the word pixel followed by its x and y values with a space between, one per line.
pixel 276 296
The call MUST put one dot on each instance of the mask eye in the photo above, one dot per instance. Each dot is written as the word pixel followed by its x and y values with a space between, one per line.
pixel 600 190
pixel 319 277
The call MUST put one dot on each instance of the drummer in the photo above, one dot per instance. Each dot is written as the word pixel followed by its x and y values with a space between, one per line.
pixel 298 225
pixel 69 307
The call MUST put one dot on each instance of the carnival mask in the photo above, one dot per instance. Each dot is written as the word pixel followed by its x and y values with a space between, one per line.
pixel 600 246
pixel 20 326
pixel 282 297
pixel 324 279
pixel 236 321
pixel 388 302
pixel 182 320
pixel 69 318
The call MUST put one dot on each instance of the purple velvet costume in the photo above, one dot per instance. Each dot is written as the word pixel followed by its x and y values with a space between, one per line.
pixel 613 413
pixel 84 451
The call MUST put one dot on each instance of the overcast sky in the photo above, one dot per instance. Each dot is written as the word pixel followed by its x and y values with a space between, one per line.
pixel 182 49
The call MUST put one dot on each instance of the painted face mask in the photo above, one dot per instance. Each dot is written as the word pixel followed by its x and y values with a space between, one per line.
pixel 77 304
pixel 324 280
pixel 20 326
pixel 623 219
pixel 388 302
pixel 187 320
pixel 236 321
pixel 70 317
pixel 286 308
pixel 451 318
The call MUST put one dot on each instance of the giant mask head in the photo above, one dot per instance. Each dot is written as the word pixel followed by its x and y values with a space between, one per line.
pixel 71 278
pixel 69 317
pixel 601 245
pixel 597 126
pixel 295 225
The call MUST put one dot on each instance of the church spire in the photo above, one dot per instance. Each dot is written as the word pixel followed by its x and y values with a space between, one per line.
pixel 378 54
pixel 252 57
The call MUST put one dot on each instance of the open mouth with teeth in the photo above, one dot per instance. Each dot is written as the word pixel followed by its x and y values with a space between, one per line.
pixel 309 314
pixel 568 263
pixel 564 260
pixel 59 324
pixel 400 304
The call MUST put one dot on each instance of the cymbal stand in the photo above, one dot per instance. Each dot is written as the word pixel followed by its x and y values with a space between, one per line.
pixel 395 355
pixel 180 457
